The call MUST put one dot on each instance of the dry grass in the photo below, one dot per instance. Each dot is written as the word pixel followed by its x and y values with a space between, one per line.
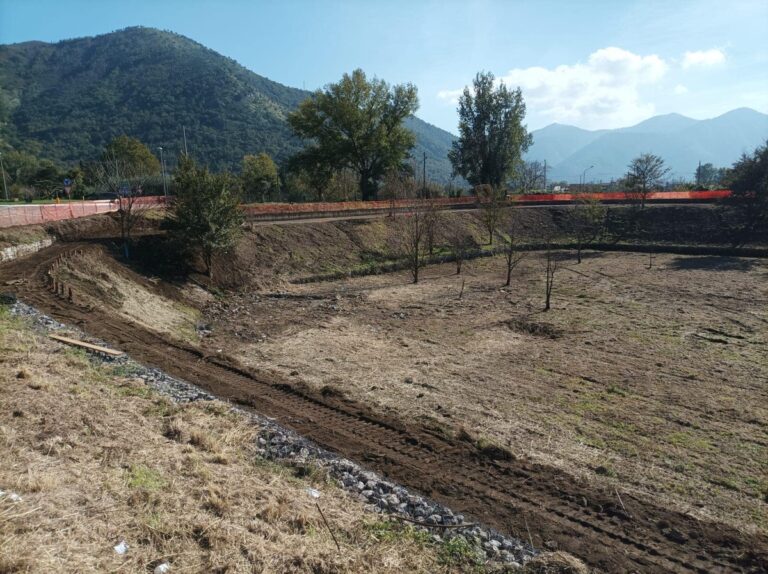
pixel 98 459
pixel 97 283
pixel 649 381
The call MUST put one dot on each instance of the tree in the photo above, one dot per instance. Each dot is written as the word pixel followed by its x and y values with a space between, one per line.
pixel 394 188
pixel 130 151
pixel 260 177
pixel 552 262
pixel 313 169
pixel 530 176
pixel 459 242
pixel 205 213
pixel 409 231
pixel 512 254
pixel 358 124
pixel 433 222
pixel 587 218
pixel 492 137
pixel 708 175
pixel 125 167
pixel 645 173
pixel 491 203
pixel 748 181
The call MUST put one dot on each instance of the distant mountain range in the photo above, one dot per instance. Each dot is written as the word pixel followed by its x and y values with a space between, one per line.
pixel 680 140
pixel 65 101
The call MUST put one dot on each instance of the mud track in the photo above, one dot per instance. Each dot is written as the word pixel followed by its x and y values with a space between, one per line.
pixel 516 497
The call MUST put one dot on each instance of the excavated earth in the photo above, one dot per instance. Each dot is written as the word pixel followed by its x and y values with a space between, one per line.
pixel 515 496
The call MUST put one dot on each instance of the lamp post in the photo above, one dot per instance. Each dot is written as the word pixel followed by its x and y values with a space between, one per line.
pixel 584 176
pixel 162 167
pixel 5 187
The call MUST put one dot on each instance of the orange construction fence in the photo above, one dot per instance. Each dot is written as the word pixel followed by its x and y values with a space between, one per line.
pixel 35 214
pixel 13 215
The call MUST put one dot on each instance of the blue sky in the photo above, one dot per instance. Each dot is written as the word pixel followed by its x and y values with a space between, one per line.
pixel 597 64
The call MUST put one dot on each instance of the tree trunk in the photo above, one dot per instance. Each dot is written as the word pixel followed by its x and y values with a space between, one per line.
pixel 578 253
pixel 509 275
pixel 208 260
pixel 367 187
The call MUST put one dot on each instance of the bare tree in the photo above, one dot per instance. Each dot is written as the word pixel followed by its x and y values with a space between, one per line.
pixel 124 180
pixel 587 223
pixel 645 173
pixel 409 231
pixel 512 254
pixel 459 241
pixel 530 176
pixel 552 261
pixel 433 221
pixel 491 203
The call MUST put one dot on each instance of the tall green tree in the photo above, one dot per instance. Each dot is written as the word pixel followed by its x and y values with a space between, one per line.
pixel 358 124
pixel 492 137
pixel 260 177
pixel 130 151
pixel 645 173
pixel 748 181
pixel 205 213
pixel 313 169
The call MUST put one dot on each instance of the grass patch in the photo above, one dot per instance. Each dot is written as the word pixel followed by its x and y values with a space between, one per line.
pixel 458 552
pixel 144 478
pixel 689 441
pixel 390 531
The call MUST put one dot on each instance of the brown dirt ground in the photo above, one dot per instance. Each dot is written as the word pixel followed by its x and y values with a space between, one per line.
pixel 653 382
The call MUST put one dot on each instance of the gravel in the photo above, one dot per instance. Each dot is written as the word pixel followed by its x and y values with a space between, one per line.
pixel 278 443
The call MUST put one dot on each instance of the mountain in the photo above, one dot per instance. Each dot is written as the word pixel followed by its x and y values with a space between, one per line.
pixel 65 101
pixel 681 141
pixel 556 142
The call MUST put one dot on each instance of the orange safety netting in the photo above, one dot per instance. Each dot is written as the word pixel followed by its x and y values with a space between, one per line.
pixel 13 215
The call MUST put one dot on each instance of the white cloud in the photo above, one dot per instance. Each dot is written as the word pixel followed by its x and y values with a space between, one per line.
pixel 703 58
pixel 451 96
pixel 604 91
pixel 680 89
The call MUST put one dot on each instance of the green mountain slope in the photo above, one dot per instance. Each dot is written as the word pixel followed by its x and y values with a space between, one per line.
pixel 65 101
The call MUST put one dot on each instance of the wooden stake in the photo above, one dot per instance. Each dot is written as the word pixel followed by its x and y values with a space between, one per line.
pixel 328 526
pixel 620 501
pixel 530 538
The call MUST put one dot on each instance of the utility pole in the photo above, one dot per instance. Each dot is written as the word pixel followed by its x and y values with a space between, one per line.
pixel 698 175
pixel 545 176
pixel 5 186
pixel 184 131
pixel 424 178
pixel 162 167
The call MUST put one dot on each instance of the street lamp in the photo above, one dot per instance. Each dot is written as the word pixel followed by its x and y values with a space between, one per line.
pixel 5 187
pixel 162 167
pixel 584 176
